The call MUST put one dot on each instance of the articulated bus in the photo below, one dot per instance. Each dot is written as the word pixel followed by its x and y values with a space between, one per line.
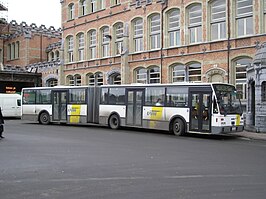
pixel 211 108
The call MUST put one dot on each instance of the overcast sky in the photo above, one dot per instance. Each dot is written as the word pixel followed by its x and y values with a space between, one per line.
pixel 46 12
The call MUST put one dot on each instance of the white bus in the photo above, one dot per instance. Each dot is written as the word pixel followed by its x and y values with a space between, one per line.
pixel 10 105
pixel 210 108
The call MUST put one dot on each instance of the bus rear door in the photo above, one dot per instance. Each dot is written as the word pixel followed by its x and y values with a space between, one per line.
pixel 135 99
pixel 200 104
pixel 59 106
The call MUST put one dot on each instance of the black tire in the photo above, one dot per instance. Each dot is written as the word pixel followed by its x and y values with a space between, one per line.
pixel 178 127
pixel 114 121
pixel 44 118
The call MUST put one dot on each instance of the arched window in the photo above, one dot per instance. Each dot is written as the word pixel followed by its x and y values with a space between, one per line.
pixel 92 6
pixel 77 80
pixel 218 19
pixel 118 28
pixel 155 31
pixel 52 82
pixel 241 76
pixel 81 45
pixel 51 56
pixel 57 56
pixel 70 48
pixel 178 73
pixel 82 7
pixel 17 50
pixel 115 78
pixel 70 80
pixel 90 79
pixel 71 11
pixel 244 17
pixel 92 44
pixel 105 42
pixel 174 27
pixel 195 23
pixel 138 35
pixel 263 91
pixel 99 78
pixel 194 72
pixel 150 75
pixel 141 76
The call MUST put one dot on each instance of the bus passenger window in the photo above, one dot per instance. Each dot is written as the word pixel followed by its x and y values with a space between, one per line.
pixel 104 96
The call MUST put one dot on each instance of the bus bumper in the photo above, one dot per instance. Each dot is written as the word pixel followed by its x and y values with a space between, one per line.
pixel 227 129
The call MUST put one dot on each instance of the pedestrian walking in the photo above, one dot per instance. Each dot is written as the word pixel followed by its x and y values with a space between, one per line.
pixel 1 124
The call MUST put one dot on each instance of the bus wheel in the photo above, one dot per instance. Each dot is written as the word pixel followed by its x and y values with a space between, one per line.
pixel 44 118
pixel 114 122
pixel 178 127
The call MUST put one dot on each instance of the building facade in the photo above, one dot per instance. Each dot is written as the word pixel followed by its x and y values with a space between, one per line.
pixel 26 56
pixel 256 106
pixel 160 41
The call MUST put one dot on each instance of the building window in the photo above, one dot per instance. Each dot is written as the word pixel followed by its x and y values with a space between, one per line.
pixel 71 11
pixel 99 79
pixel 150 75
pixel 154 75
pixel 244 17
pixel 155 32
pixel 105 42
pixel 92 6
pixel 101 4
pixel 118 38
pixel 178 73
pixel 52 82
pixel 115 78
pixel 241 76
pixel 51 57
pixel 174 27
pixel 218 20
pixel 70 47
pixel 92 44
pixel 81 45
pixel 57 56
pixel 195 23
pixel 70 80
pixel 77 80
pixel 264 11
pixel 263 91
pixel 141 76
pixel 17 46
pixel 83 7
pixel 138 35
pixel 115 2
pixel 194 72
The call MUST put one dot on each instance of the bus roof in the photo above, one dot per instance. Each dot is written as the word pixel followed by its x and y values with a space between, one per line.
pixel 127 85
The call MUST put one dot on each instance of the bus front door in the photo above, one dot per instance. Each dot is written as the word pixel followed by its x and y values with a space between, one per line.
pixel 59 106
pixel 135 98
pixel 200 111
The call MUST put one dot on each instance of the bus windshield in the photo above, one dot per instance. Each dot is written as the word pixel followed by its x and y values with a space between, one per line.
pixel 227 99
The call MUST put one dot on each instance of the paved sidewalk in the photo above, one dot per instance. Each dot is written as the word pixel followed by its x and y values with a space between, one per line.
pixel 252 135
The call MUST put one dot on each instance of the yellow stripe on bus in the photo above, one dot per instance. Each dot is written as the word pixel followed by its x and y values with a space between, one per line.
pixel 75 114
pixel 237 120
pixel 156 114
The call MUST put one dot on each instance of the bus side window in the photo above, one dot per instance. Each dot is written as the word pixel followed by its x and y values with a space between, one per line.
pixel 104 96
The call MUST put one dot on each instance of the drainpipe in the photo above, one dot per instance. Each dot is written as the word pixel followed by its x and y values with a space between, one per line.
pixel 164 6
pixel 228 40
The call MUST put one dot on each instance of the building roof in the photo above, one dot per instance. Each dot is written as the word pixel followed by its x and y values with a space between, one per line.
pixel 2 7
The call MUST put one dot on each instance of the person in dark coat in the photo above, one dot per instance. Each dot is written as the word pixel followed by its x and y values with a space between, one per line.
pixel 1 124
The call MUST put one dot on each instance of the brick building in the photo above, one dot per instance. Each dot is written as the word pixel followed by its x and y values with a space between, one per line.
pixel 26 56
pixel 160 41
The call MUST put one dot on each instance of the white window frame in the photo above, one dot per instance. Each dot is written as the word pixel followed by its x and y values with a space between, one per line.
pixel 155 32
pixel 195 28
pixel 174 28
pixel 119 29
pixel 138 35
pixel 244 17
pixel 105 42
pixel 92 44
pixel 71 11
pixel 178 71
pixel 81 46
pixel 218 7
pixel 70 49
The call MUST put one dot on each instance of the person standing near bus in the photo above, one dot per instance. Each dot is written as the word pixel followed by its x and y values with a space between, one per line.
pixel 1 124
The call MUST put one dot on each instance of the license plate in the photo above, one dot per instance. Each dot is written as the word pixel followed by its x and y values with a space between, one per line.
pixel 233 128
